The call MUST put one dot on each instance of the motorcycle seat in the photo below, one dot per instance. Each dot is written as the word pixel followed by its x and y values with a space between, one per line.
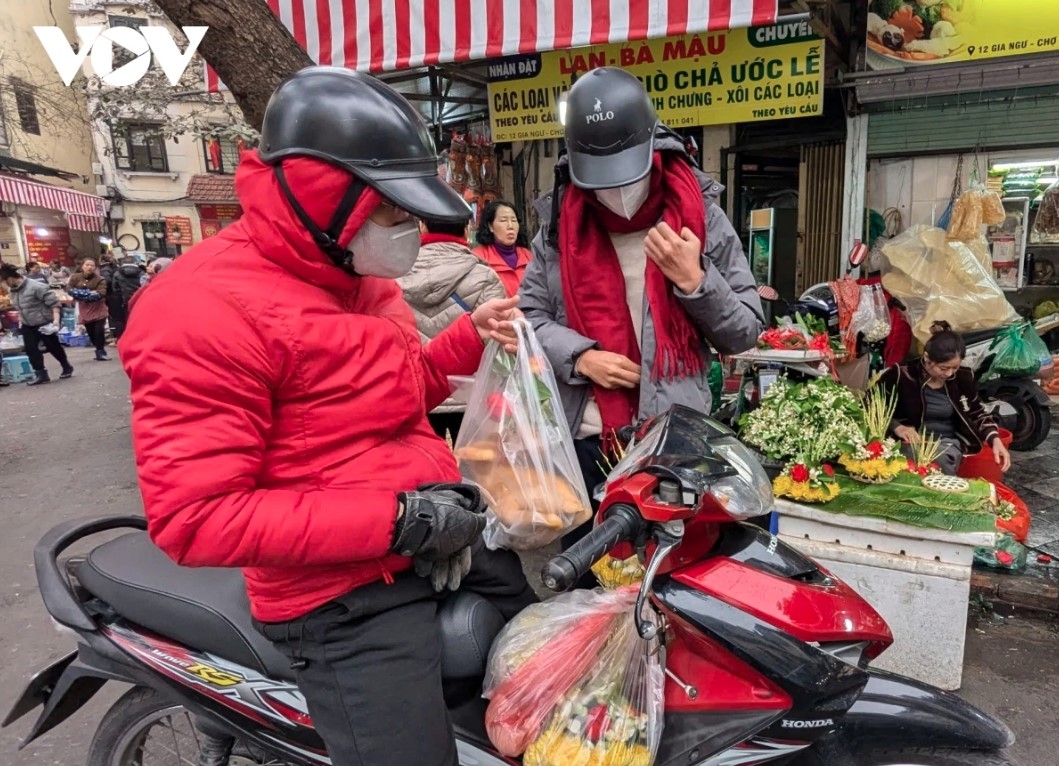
pixel 207 609
pixel 977 336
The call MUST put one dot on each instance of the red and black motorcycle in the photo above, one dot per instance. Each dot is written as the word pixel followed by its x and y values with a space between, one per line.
pixel 766 654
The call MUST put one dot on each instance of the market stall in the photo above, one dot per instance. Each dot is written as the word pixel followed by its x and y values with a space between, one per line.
pixel 875 512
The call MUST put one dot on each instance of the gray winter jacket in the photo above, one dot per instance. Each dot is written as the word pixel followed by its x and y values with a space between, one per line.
pixel 726 309
pixel 35 302
pixel 441 270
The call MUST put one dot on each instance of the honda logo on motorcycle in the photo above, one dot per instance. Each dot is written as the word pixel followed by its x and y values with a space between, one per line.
pixel 818 724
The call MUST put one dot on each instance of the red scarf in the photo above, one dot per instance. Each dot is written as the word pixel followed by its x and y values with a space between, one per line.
pixel 433 239
pixel 593 284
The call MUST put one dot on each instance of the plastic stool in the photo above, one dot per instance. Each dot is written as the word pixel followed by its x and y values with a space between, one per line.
pixel 17 369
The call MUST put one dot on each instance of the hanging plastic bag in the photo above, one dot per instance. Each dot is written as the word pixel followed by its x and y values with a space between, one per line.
pixel 1038 347
pixel 1015 354
pixel 957 184
pixel 614 716
pixel 540 655
pixel 966 221
pixel 993 213
pixel 516 445
pixel 880 327
pixel 1046 224
pixel 871 317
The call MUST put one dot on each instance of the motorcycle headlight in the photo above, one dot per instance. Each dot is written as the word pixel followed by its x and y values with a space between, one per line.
pixel 748 494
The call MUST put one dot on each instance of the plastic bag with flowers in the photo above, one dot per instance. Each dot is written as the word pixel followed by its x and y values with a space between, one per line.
pixel 516 445
pixel 877 459
pixel 614 715
pixel 807 484
pixel 570 682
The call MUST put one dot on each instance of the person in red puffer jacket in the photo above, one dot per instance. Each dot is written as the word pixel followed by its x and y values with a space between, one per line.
pixel 280 395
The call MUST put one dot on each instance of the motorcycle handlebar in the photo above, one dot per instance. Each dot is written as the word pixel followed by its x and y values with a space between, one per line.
pixel 562 572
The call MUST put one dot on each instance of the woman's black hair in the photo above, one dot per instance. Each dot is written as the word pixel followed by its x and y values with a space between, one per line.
pixel 944 345
pixel 485 232
pixel 446 227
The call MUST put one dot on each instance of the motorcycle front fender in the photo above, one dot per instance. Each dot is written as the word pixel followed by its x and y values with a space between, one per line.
pixel 895 709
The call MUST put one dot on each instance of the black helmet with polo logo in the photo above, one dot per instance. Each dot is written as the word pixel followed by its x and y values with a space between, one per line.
pixel 610 129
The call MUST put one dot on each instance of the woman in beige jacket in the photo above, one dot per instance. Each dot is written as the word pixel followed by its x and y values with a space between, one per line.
pixel 447 281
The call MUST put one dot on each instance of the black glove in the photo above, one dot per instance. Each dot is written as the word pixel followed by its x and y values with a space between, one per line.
pixel 439 521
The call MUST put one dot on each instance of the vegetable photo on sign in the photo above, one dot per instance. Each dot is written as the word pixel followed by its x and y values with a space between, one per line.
pixel 920 30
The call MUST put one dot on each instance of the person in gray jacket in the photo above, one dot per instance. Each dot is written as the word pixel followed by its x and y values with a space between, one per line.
pixel 39 311
pixel 447 281
pixel 637 273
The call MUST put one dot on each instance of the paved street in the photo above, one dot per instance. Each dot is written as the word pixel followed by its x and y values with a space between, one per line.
pixel 65 453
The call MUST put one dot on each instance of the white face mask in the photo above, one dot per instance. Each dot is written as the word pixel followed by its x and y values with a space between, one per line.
pixel 385 251
pixel 625 201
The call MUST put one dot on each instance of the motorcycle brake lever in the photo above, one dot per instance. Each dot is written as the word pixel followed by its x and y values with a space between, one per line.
pixel 667 537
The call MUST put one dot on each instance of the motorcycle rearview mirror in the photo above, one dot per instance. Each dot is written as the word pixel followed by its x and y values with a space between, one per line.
pixel 768 293
pixel 858 254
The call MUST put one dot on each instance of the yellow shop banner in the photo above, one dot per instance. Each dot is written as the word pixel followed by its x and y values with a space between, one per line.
pixel 739 75
pixel 905 33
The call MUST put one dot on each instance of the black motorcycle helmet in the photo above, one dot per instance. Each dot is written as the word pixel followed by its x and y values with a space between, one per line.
pixel 358 123
pixel 610 129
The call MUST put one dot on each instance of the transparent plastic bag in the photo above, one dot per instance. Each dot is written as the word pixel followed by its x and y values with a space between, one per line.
pixel 965 223
pixel 540 655
pixel 880 326
pixel 993 213
pixel 516 445
pixel 614 716
pixel 937 279
pixel 1046 224
pixel 609 713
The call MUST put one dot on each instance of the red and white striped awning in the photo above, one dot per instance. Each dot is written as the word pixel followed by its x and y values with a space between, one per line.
pixel 383 35
pixel 84 212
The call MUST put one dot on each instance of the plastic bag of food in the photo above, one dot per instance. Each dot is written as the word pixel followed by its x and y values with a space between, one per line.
pixel 613 716
pixel 544 652
pixel 965 223
pixel 942 280
pixel 880 327
pixel 516 445
pixel 993 213
pixel 1015 353
pixel 1046 225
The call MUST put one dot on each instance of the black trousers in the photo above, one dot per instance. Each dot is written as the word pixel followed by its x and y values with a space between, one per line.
pixel 369 664
pixel 118 317
pixel 97 333
pixel 32 338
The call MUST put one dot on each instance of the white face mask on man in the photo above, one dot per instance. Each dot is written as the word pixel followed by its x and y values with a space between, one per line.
pixel 385 251
pixel 625 201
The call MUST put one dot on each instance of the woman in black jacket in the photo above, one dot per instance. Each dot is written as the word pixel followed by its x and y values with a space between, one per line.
pixel 937 395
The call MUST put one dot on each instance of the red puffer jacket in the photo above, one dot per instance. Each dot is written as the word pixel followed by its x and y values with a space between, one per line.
pixel 279 404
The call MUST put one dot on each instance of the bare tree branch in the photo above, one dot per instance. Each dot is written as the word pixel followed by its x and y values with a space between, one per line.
pixel 249 48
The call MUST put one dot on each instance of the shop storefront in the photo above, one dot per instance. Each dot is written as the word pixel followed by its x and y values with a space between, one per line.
pixel 47 223
pixel 984 112
pixel 702 85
